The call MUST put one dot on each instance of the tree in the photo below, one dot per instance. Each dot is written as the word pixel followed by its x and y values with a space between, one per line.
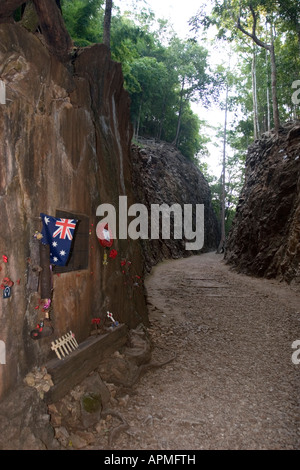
pixel 107 23
pixel 289 10
pixel 221 246
pixel 190 62
pixel 84 20
pixel 271 49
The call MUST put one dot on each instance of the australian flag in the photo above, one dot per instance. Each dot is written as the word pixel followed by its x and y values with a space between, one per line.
pixel 58 233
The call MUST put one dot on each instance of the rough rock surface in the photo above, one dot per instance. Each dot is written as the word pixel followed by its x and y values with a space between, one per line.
pixel 265 238
pixel 25 422
pixel 162 175
pixel 65 140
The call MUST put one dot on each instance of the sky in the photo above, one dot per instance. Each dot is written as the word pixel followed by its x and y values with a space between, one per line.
pixel 179 12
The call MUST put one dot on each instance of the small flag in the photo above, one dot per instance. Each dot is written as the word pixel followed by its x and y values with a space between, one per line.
pixel 58 234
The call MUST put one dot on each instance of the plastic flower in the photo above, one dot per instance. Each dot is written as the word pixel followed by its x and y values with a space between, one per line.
pixel 113 253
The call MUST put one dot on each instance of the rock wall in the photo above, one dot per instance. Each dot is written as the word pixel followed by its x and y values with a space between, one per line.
pixel 162 175
pixel 265 237
pixel 65 145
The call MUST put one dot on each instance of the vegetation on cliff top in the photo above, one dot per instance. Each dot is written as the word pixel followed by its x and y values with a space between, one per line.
pixel 256 82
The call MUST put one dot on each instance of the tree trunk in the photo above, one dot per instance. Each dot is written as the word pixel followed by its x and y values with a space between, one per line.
pixel 268 97
pixel 221 246
pixel 161 121
pixel 254 95
pixel 271 49
pixel 274 83
pixel 107 23
pixel 138 121
pixel 274 89
pixel 175 141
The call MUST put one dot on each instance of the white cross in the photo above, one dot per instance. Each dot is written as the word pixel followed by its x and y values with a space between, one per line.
pixel 110 315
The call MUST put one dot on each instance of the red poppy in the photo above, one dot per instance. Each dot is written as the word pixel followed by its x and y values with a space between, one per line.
pixel 5 259
pixel 96 321
pixel 123 262
pixel 104 235
pixel 113 254
pixel 7 282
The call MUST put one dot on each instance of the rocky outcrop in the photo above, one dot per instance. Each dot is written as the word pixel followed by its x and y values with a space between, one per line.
pixel 25 422
pixel 162 175
pixel 65 138
pixel 65 146
pixel 265 237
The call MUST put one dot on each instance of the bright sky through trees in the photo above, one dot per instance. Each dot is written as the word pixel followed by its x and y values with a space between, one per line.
pixel 178 13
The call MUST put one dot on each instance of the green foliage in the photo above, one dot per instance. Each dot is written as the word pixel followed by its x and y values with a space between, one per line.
pixel 164 74
pixel 161 79
pixel 84 20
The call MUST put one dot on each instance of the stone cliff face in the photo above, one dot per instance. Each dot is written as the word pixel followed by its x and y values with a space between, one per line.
pixel 65 145
pixel 265 238
pixel 161 175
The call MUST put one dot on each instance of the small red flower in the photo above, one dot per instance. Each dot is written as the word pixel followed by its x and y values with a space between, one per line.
pixel 113 254
pixel 123 262
pixel 5 259
pixel 96 321
pixel 7 282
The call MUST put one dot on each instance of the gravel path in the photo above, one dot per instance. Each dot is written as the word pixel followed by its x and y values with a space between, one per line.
pixel 233 384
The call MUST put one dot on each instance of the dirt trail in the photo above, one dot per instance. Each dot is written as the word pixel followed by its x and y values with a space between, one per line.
pixel 233 384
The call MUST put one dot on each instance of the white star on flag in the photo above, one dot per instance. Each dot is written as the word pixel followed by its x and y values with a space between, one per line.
pixel 58 233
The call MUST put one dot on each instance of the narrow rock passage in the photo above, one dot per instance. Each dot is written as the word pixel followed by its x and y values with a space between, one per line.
pixel 233 384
